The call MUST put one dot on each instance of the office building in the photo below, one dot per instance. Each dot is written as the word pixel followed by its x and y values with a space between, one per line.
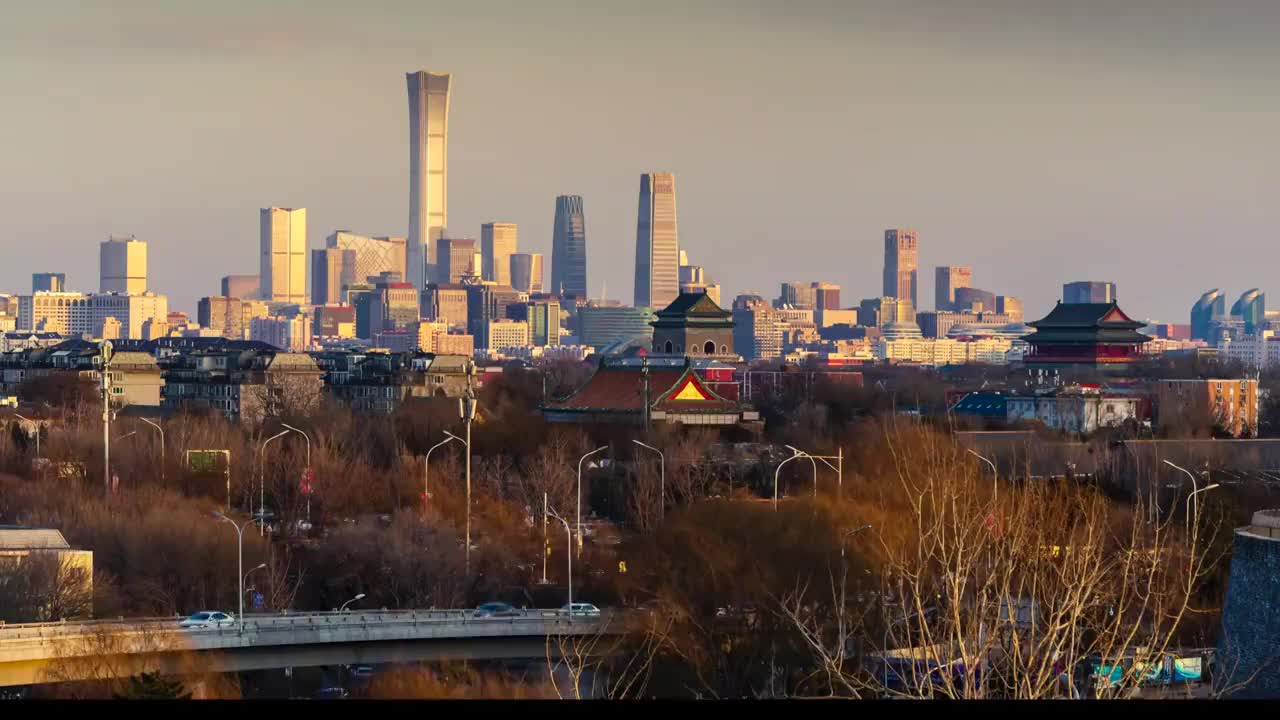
pixel 486 303
pixel 712 291
pixel 601 326
pixel 283 245
pixel 901 255
pixel 428 331
pixel 657 278
pixel 543 318
pixel 797 295
pixel 939 323
pixel 48 282
pixel 428 171
pixel 122 265
pixel 368 306
pixel 241 286
pixel 331 270
pixel 285 333
pixel 81 314
pixel 445 303
pixel 505 333
pixel 334 321
pixel 948 278
pixel 1250 310
pixel 228 317
pixel 1211 306
pixel 497 245
pixel 455 344
pixel 373 256
pixel 878 312
pixel 973 299
pixel 1089 291
pixel 526 272
pixel 826 296
pixel 1010 306
pixel 456 259
pixel 569 248
pixel 692 274
pixel 400 305
pixel 757 328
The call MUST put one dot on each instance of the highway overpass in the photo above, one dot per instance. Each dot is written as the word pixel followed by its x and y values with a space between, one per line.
pixel 57 652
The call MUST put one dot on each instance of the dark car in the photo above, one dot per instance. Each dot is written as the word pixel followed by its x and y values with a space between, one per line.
pixel 332 693
pixel 496 610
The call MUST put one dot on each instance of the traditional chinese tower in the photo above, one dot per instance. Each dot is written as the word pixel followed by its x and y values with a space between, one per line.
pixel 1085 335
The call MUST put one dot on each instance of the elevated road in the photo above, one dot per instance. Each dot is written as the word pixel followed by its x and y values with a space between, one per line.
pixel 55 652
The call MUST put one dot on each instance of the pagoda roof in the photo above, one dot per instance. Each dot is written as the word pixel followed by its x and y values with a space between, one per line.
pixel 1087 315
pixel 693 305
pixel 621 389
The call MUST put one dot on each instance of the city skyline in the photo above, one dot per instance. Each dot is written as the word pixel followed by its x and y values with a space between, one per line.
pixel 195 213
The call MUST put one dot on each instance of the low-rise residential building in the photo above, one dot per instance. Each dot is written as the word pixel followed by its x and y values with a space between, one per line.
pixel 380 382
pixel 1069 410
pixel 1230 404
pixel 245 384
pixel 135 376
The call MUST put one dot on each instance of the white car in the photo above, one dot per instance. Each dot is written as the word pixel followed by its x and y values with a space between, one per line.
pixel 207 619
pixel 581 610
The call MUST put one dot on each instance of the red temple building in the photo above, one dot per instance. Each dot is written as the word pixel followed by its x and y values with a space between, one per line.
pixel 1085 335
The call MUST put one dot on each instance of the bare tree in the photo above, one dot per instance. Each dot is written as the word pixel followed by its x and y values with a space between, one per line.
pixel 44 586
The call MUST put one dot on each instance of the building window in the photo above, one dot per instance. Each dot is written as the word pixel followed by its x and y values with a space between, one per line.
pixel 709 348
pixel 669 346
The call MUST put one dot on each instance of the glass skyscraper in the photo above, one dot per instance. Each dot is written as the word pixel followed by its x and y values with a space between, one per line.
pixel 428 170
pixel 569 248
pixel 657 243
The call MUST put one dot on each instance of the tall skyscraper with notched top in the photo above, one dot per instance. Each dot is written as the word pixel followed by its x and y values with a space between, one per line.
pixel 901 257
pixel 657 243
pixel 428 170
pixel 283 267
pixel 569 248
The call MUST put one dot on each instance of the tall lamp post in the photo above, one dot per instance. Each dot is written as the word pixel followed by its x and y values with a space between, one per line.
pixel 804 454
pixel 106 352
pixel 37 426
pixel 467 445
pixel 995 484
pixel 568 551
pixel 662 478
pixel 308 439
pixel 345 604
pixel 779 470
pixel 1195 490
pixel 262 482
pixel 244 582
pixel 582 459
pixel 467 409
pixel 162 448
pixel 426 471
pixel 240 563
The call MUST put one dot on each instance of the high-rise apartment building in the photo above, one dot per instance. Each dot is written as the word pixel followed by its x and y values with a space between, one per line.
pixel 947 279
pixel 48 282
pixel 569 248
pixel 283 243
pixel 526 272
pixel 901 258
pixel 1211 307
pixel 122 265
pixel 241 286
pixel 1089 291
pixel 428 170
pixel 456 259
pixel 757 328
pixel 657 280
pixel 497 245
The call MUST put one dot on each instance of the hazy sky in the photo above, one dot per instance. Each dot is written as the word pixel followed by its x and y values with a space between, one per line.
pixel 1038 141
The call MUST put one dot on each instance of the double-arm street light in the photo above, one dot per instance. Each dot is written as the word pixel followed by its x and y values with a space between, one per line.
pixel 1195 490
pixel 813 462
pixel 600 449
pixel 662 478
pixel 262 483
pixel 778 470
pixel 240 574
pixel 568 551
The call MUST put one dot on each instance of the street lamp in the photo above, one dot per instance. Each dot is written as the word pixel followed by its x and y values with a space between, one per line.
pixel 602 448
pixel 802 453
pixel 662 478
pixel 262 483
pixel 777 471
pixel 995 474
pixel 162 447
pixel 240 566
pixel 128 434
pixel 1194 491
pixel 308 439
pixel 37 432
pixel 426 471
pixel 467 444
pixel 244 582
pixel 345 604
pixel 568 551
